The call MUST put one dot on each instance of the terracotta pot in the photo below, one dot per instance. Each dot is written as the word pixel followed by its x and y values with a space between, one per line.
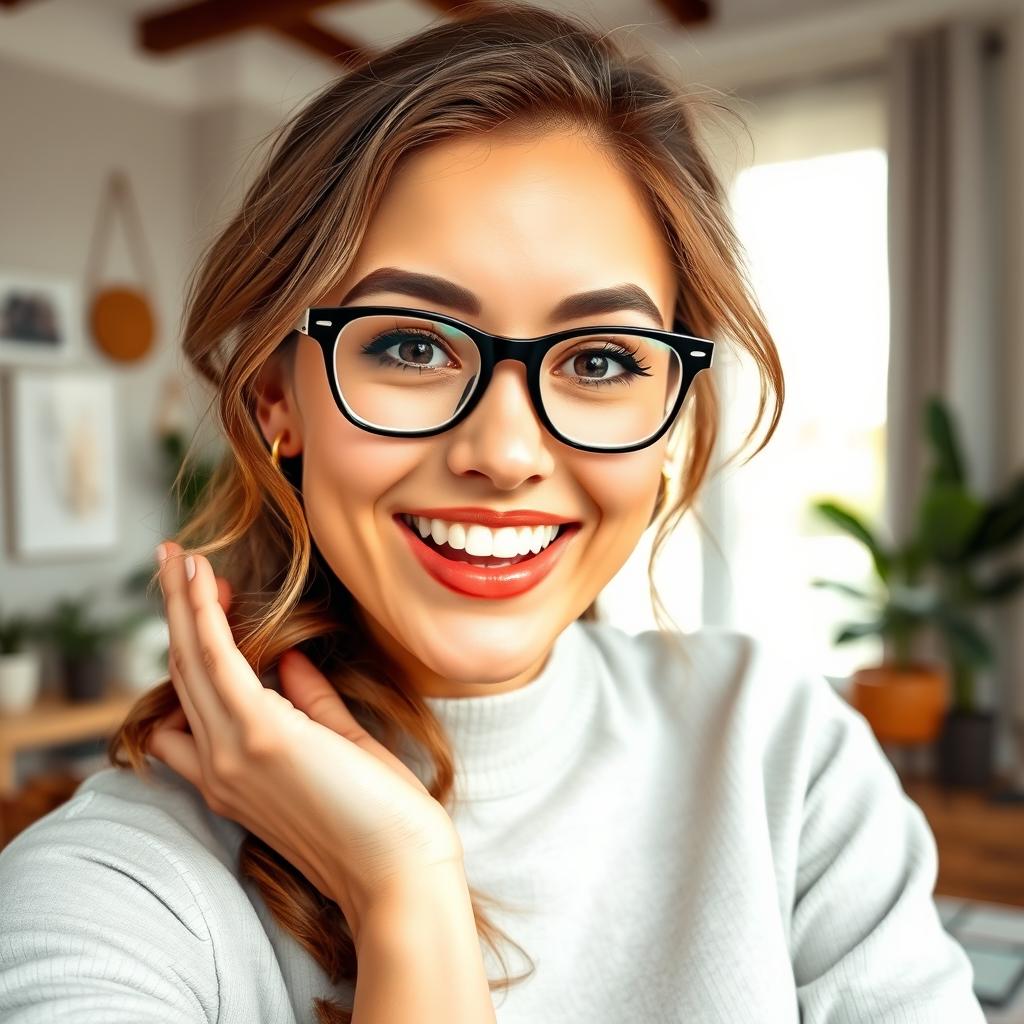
pixel 902 705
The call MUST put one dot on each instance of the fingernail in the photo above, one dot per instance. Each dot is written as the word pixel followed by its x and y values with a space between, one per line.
pixel 190 566
pixel 161 553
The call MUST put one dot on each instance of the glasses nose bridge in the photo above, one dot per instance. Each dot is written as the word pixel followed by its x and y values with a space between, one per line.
pixel 496 349
pixel 521 350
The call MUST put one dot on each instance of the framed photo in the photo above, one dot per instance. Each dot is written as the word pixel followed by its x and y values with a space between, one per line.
pixel 40 319
pixel 64 459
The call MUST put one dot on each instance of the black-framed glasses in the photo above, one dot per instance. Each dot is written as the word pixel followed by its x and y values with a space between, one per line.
pixel 406 372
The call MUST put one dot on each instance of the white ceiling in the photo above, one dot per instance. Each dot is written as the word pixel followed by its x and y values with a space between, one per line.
pixel 749 41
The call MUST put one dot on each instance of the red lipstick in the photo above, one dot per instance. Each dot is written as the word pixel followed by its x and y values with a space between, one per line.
pixel 490 517
pixel 480 581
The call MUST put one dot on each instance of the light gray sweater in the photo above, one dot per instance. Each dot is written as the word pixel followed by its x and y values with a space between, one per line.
pixel 715 842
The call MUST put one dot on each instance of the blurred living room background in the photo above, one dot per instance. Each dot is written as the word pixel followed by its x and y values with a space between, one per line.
pixel 873 152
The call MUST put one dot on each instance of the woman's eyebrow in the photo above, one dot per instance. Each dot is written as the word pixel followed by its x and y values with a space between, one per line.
pixel 447 293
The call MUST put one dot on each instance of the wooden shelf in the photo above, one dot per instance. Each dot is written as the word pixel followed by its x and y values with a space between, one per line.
pixel 54 720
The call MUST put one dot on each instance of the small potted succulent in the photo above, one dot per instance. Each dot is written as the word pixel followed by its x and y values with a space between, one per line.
pixel 932 581
pixel 19 664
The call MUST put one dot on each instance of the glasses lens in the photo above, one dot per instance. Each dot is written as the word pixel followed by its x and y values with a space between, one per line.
pixel 404 372
pixel 412 373
pixel 610 390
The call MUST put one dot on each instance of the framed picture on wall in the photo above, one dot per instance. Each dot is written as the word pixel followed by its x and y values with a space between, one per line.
pixel 40 319
pixel 63 485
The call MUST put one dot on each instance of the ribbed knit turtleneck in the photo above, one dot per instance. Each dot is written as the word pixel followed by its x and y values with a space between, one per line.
pixel 507 743
pixel 715 839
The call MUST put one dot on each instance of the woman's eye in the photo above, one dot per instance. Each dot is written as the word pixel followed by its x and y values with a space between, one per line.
pixel 414 351
pixel 594 366
pixel 590 367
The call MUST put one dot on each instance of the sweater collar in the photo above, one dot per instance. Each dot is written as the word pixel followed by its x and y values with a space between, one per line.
pixel 507 743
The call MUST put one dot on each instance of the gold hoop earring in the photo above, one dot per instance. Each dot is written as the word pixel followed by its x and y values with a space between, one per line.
pixel 275 458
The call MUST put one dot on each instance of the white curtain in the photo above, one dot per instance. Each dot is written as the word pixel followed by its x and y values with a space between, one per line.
pixel 946 302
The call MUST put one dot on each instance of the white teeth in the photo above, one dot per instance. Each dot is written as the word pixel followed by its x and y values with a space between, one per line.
pixel 504 542
pixel 479 540
pixel 439 531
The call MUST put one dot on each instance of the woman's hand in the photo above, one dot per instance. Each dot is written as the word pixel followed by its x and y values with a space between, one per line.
pixel 296 770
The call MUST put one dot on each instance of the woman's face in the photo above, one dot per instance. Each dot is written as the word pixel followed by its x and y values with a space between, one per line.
pixel 519 225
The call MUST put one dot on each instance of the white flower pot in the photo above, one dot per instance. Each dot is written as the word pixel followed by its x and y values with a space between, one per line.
pixel 140 659
pixel 20 680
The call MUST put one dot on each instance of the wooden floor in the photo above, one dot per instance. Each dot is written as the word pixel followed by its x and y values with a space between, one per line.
pixel 980 842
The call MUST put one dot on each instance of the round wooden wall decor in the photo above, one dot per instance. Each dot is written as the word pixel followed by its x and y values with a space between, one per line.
pixel 122 323
pixel 121 316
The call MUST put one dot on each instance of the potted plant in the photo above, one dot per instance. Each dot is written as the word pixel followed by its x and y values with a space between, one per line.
pixel 81 643
pixel 19 664
pixel 932 581
pixel 905 697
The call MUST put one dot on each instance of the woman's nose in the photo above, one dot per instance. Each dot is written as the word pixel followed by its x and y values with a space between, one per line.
pixel 503 438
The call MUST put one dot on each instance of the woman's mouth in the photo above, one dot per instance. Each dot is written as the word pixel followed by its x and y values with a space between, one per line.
pixel 501 574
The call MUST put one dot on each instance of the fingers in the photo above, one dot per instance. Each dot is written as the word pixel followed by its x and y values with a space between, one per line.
pixel 206 714
pixel 175 720
pixel 312 693
pixel 231 675
pixel 179 751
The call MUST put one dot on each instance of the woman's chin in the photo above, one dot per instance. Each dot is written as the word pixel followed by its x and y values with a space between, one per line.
pixel 487 657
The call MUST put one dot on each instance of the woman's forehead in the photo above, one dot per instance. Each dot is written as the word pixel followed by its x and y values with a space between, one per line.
pixel 550 216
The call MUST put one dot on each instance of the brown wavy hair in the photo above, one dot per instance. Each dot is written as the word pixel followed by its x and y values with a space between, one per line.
pixel 512 65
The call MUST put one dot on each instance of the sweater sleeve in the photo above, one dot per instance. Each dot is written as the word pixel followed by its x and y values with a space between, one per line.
pixel 98 925
pixel 868 946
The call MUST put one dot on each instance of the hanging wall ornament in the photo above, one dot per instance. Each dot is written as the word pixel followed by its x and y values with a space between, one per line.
pixel 121 315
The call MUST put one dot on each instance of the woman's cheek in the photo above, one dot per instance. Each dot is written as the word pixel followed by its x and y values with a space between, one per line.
pixel 347 492
pixel 625 489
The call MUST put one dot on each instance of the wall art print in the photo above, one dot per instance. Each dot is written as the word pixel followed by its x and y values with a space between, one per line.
pixel 63 449
pixel 40 319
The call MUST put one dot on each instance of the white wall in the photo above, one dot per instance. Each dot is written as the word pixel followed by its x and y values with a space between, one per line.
pixel 61 138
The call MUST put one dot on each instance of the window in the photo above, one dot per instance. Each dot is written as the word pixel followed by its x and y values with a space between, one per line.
pixel 811 212
pixel 809 206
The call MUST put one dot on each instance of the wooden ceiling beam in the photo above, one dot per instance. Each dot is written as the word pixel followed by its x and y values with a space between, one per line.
pixel 320 41
pixel 196 22
pixel 688 12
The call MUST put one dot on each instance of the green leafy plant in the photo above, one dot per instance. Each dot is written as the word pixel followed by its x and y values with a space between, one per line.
pixel 73 631
pixel 933 579
pixel 16 631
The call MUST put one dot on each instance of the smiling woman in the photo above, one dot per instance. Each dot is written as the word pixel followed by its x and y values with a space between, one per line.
pixel 456 333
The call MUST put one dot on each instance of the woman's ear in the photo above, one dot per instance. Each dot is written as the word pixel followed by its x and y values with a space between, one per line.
pixel 276 409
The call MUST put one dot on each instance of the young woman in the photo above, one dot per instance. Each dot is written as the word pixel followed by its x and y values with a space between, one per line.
pixel 495 254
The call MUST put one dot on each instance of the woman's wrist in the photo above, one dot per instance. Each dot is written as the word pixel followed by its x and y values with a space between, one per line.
pixel 399 910
pixel 419 954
